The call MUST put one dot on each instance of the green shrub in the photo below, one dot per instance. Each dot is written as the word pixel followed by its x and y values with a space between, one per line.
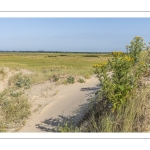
pixel 81 80
pixel 55 78
pixel 135 47
pixel 23 82
pixel 70 80
pixel 90 56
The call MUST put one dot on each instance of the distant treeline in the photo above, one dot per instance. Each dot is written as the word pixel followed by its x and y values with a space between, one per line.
pixel 56 52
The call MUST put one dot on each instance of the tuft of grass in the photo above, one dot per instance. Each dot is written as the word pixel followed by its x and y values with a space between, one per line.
pixel 13 79
pixel 133 119
pixel 55 78
pixel 19 80
pixel 67 127
pixel 2 73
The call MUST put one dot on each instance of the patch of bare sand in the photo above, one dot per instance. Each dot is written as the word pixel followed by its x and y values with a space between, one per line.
pixel 51 103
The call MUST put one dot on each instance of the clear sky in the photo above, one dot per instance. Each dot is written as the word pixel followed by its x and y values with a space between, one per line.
pixel 71 34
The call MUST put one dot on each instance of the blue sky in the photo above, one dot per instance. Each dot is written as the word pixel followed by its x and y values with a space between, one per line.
pixel 71 34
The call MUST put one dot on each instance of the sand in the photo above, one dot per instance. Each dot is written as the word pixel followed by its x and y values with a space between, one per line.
pixel 52 104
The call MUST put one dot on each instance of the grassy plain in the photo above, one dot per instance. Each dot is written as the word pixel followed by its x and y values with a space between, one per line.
pixel 47 65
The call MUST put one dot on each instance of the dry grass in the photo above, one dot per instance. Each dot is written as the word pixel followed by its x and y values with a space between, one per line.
pixel 14 110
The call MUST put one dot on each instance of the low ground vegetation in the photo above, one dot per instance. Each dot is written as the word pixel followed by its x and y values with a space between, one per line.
pixel 14 109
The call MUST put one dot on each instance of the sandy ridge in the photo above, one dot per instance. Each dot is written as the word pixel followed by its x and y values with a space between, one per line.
pixel 55 107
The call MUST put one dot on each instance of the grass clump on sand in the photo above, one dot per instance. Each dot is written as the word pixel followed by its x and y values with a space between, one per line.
pixel 14 106
pixel 14 110
pixel 122 103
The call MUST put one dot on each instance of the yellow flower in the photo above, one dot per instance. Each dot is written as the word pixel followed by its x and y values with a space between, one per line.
pixel 100 65
pixel 128 58
pixel 142 63
pixel 117 54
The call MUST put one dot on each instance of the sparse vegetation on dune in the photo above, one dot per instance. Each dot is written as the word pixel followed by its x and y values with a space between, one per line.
pixel 14 107
pixel 14 110
pixel 22 70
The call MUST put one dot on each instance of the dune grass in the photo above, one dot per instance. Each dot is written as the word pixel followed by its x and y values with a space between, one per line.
pixel 135 117
pixel 14 110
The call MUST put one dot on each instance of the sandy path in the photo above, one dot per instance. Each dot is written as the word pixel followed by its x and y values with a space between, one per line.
pixel 67 100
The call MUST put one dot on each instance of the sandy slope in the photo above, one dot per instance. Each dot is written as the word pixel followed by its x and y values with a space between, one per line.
pixel 8 74
pixel 51 104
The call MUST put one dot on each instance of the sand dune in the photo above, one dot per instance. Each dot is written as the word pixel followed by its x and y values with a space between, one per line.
pixel 57 102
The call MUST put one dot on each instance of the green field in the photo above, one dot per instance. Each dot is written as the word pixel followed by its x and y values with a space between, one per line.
pixel 33 60
pixel 53 63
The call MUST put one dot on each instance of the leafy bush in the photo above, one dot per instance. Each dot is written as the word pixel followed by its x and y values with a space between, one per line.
pixel 135 47
pixel 118 88
pixel 52 56
pixel 55 78
pixel 23 82
pixel 70 80
pixel 63 55
pixel 15 94
pixel 81 80
pixel 90 56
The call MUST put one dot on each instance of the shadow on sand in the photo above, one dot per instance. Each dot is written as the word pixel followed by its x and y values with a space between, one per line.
pixel 51 124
